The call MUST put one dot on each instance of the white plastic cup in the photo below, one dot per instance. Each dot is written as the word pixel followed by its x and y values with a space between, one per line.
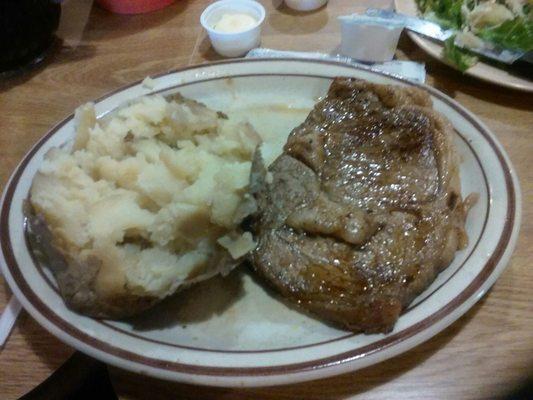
pixel 369 40
pixel 305 5
pixel 233 44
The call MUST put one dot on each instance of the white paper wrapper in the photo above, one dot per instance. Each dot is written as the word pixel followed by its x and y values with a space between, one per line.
pixel 369 39
pixel 404 69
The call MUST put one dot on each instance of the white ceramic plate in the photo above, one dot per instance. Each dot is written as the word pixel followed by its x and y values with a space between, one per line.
pixel 233 332
pixel 481 70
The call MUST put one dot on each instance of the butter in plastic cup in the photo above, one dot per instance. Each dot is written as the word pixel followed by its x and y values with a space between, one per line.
pixel 369 39
pixel 233 44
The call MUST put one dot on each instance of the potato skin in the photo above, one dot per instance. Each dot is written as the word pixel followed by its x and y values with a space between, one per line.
pixel 76 280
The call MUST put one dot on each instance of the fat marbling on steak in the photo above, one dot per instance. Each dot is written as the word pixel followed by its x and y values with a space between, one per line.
pixel 363 208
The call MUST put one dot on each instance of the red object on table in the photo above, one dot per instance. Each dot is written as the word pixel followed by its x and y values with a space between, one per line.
pixel 133 6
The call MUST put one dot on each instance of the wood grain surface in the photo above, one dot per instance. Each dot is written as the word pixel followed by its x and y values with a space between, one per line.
pixel 485 354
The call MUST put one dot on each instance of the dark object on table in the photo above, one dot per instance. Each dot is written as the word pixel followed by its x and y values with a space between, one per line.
pixel 26 31
pixel 363 209
pixel 523 392
pixel 80 378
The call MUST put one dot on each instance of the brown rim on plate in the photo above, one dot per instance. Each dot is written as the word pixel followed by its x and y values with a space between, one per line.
pixel 109 325
pixel 344 357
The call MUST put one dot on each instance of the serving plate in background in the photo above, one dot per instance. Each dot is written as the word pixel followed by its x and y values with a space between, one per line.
pixel 234 331
pixel 481 70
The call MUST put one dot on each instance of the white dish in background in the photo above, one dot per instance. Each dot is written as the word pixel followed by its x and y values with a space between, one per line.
pixel 233 44
pixel 305 5
pixel 481 70
pixel 233 331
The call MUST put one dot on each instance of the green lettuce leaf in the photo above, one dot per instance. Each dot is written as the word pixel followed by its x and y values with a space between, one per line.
pixel 446 13
pixel 460 58
pixel 516 34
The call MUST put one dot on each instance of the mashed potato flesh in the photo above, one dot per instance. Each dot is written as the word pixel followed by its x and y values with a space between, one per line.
pixel 152 192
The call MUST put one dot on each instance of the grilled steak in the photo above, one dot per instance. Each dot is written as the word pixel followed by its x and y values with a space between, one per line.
pixel 363 208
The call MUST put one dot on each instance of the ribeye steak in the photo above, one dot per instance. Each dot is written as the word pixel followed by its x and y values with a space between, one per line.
pixel 363 209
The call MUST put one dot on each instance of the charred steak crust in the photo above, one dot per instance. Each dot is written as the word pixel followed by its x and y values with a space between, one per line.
pixel 363 208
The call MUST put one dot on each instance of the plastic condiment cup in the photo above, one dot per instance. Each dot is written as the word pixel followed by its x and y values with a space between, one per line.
pixel 305 5
pixel 369 39
pixel 233 44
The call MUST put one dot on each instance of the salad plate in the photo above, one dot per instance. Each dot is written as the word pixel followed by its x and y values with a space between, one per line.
pixel 481 70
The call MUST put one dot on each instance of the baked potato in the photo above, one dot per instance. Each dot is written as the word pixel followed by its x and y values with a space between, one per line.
pixel 145 202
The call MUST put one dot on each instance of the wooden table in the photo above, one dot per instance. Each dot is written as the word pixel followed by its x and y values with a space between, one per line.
pixel 486 353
